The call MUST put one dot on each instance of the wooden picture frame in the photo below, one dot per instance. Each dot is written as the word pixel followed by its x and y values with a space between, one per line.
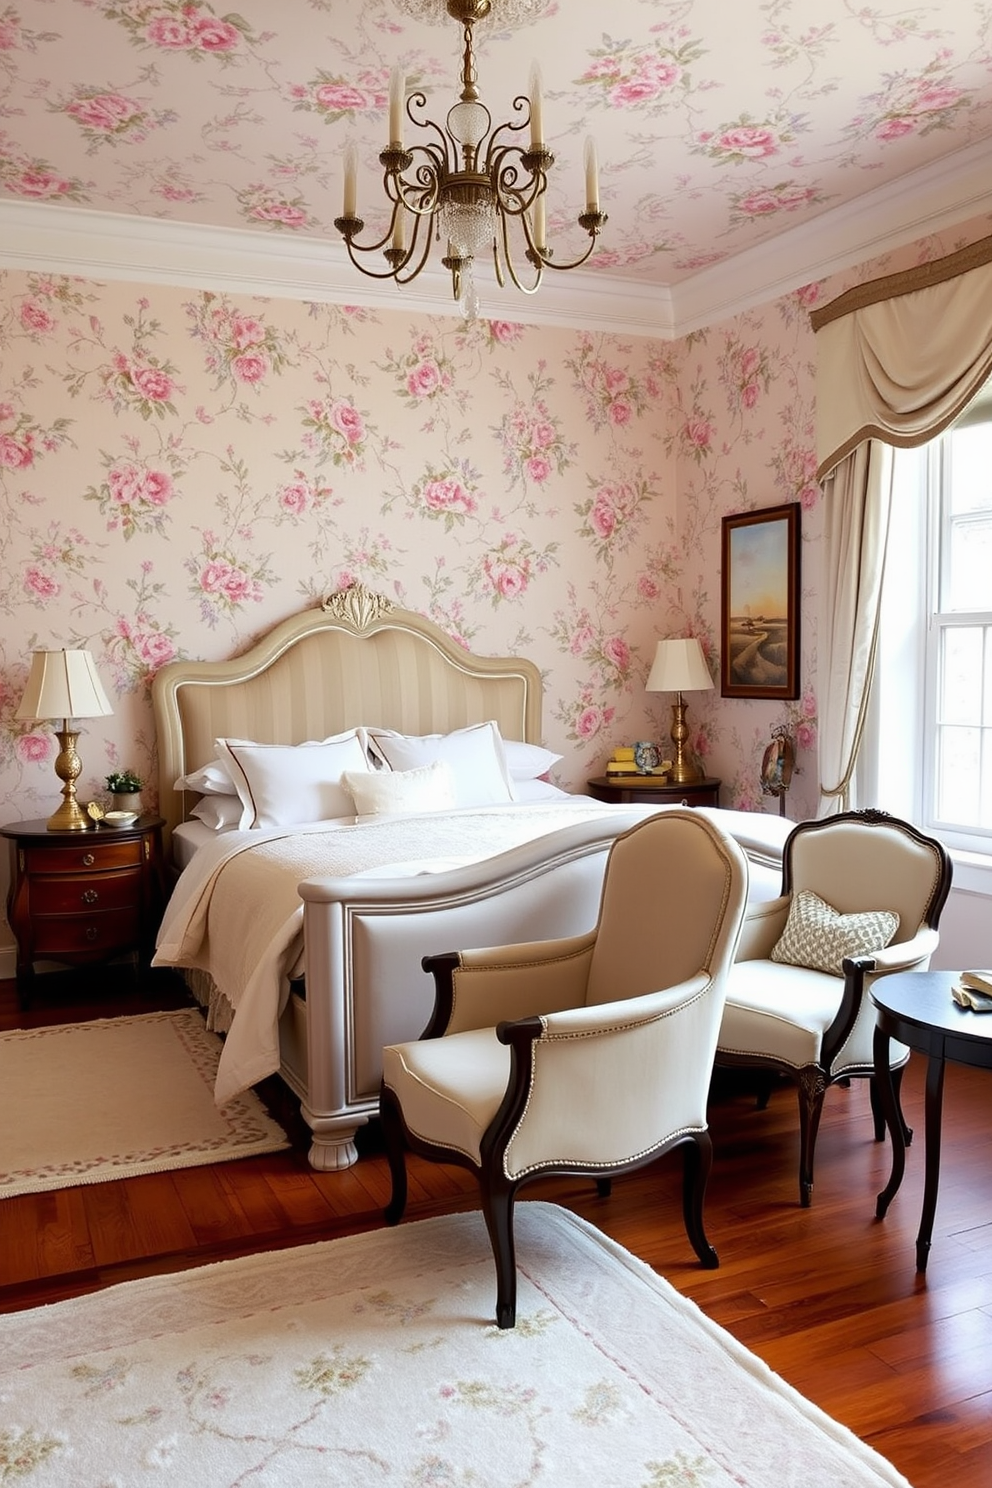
pixel 759 583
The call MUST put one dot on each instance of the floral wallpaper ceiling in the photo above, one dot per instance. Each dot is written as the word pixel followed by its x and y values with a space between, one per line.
pixel 717 125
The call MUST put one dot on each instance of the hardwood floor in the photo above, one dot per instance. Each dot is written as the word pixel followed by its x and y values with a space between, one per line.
pixel 827 1296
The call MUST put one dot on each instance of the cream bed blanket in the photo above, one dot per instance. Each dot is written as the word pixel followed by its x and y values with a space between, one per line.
pixel 236 913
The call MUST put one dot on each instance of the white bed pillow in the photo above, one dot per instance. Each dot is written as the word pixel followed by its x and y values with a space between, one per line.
pixel 211 780
pixel 219 813
pixel 528 761
pixel 391 792
pixel 538 790
pixel 281 785
pixel 475 755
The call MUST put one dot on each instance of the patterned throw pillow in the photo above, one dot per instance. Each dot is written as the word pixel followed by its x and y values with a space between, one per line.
pixel 817 936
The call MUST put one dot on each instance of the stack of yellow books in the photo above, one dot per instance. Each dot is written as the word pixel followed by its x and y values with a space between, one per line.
pixel 621 761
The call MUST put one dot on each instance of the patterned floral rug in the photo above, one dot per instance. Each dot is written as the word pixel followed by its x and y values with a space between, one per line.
pixel 85 1102
pixel 373 1360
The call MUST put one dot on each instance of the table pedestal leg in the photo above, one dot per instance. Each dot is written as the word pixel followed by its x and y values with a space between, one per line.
pixel 896 1129
pixel 934 1104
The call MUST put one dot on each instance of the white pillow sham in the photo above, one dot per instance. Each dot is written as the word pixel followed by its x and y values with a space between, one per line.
pixel 538 790
pixel 475 754
pixel 390 792
pixel 213 779
pixel 281 785
pixel 528 761
pixel 219 813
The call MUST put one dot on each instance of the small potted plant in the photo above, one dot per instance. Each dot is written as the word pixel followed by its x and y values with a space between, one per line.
pixel 125 787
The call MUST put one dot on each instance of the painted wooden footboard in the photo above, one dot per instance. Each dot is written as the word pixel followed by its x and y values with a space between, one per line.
pixel 365 938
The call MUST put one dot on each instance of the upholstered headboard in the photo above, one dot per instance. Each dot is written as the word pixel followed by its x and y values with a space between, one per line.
pixel 355 660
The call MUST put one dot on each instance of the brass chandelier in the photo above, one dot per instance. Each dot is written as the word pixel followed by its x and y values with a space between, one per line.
pixel 467 182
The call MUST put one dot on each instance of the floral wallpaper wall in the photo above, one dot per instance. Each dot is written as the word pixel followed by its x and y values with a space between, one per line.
pixel 181 470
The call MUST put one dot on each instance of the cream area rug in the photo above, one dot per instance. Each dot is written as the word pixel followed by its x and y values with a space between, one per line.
pixel 85 1102
pixel 373 1360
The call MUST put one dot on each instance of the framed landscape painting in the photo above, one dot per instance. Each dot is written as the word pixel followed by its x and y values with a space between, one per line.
pixel 759 655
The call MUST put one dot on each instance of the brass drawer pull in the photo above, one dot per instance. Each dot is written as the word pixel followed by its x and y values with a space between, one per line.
pixel 90 896
pixel 92 933
pixel 88 860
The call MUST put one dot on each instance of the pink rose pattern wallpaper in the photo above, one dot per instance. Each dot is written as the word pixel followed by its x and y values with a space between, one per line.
pixel 181 470
pixel 712 137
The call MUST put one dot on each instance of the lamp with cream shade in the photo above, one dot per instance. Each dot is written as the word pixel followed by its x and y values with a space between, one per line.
pixel 679 666
pixel 64 685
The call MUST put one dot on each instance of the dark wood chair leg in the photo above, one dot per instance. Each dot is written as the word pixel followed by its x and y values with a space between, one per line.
pixel 391 1122
pixel 604 1187
pixel 696 1163
pixel 497 1206
pixel 812 1088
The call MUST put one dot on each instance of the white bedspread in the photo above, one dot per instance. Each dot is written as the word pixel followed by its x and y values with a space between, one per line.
pixel 236 912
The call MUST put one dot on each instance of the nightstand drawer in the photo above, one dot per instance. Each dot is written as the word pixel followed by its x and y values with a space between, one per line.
pixel 99 933
pixel 87 857
pixel 91 893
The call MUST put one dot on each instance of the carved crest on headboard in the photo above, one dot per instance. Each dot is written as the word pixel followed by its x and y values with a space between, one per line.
pixel 357 604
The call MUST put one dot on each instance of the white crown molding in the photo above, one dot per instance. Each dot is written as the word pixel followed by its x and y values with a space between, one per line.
pixel 925 201
pixel 116 246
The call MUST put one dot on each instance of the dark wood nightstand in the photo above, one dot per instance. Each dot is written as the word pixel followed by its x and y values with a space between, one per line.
pixel 83 896
pixel 645 789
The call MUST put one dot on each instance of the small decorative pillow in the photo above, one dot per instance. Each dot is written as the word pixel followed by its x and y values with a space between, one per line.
pixel 819 937
pixel 389 792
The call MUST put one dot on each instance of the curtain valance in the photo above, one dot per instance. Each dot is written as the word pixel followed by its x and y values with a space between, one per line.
pixel 899 357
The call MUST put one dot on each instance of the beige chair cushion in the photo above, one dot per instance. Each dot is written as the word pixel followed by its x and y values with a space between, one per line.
pixel 449 1089
pixel 778 1011
pixel 817 936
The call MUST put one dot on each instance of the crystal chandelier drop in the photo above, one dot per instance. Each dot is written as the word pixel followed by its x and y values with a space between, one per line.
pixel 506 12
pixel 467 182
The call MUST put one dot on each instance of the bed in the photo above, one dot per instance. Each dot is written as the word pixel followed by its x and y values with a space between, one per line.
pixel 303 939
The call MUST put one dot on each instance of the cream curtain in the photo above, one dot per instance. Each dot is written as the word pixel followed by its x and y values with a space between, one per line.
pixel 857 504
pixel 897 360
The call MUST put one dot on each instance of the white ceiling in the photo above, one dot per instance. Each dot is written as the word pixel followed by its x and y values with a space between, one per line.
pixel 744 148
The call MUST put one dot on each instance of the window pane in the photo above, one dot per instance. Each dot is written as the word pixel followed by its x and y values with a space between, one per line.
pixel 961 672
pixel 970 570
pixel 985 809
pixel 971 469
pixel 958 775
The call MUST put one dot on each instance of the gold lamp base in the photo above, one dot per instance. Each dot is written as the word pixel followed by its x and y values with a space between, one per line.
pixel 683 771
pixel 70 816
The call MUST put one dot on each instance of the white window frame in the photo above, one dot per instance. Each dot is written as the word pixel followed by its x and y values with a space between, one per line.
pixel 898 766
pixel 940 621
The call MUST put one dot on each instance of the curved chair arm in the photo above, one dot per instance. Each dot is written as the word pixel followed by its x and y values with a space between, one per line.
pixel 861 971
pixel 629 1012
pixel 762 925
pixel 907 955
pixel 480 988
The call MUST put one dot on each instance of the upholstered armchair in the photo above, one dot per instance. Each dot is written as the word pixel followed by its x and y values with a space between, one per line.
pixel 861 898
pixel 591 1054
